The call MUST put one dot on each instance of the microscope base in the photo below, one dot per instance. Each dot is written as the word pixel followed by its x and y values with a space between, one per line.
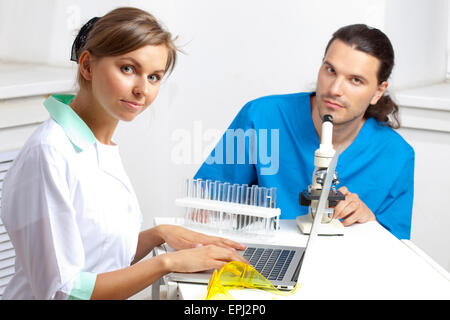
pixel 334 228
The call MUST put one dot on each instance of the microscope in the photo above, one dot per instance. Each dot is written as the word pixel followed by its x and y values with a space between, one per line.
pixel 310 197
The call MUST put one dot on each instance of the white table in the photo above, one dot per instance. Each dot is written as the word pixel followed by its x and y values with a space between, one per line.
pixel 368 262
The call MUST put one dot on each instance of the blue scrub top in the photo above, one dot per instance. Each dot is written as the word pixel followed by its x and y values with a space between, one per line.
pixel 280 141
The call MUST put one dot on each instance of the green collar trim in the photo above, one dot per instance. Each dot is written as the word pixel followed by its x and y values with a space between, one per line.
pixel 75 128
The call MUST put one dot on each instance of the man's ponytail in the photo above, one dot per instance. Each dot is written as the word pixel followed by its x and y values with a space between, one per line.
pixel 385 111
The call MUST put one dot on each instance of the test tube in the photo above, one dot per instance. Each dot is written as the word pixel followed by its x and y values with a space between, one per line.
pixel 247 195
pixel 246 201
pixel 229 192
pixel 238 193
pixel 275 225
pixel 237 200
pixel 232 198
pixel 197 188
pixel 224 196
pixel 213 196
pixel 262 203
pixel 255 203
pixel 269 198
pixel 203 195
pixel 256 196
pixel 186 187
pixel 228 215
pixel 201 190
pixel 219 191
pixel 187 192
pixel 262 194
pixel 207 190
pixel 273 192
pixel 212 190
pixel 244 188
pixel 207 214
pixel 219 198
pixel 233 193
pixel 243 201
pixel 225 191
pixel 204 189
pixel 252 195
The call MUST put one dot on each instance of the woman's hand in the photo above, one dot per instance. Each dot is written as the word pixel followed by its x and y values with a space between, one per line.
pixel 196 251
pixel 199 259
pixel 181 238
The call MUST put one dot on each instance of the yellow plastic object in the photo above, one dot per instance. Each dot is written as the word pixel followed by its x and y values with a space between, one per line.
pixel 237 275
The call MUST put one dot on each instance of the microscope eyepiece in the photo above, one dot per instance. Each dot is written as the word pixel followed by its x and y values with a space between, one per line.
pixel 327 117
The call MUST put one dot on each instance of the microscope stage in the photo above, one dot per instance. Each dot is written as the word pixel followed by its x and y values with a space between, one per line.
pixel 334 228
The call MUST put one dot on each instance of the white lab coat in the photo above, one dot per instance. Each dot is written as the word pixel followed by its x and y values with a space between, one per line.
pixel 67 213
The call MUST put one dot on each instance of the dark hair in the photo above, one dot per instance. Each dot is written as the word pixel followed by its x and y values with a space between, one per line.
pixel 374 42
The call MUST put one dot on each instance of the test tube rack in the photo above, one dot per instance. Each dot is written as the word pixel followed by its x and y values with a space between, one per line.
pixel 230 207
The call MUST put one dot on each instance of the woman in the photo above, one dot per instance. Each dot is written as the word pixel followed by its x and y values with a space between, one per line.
pixel 68 205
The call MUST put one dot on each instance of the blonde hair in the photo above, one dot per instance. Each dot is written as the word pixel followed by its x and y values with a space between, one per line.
pixel 124 30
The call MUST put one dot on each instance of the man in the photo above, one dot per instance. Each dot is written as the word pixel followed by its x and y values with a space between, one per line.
pixel 376 166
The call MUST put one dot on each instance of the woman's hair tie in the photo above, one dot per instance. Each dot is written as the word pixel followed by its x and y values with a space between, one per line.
pixel 81 38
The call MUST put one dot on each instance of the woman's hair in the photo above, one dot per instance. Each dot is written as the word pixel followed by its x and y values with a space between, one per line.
pixel 374 42
pixel 121 31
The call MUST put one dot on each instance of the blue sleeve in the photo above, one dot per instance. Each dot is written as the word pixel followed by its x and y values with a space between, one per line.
pixel 396 213
pixel 234 157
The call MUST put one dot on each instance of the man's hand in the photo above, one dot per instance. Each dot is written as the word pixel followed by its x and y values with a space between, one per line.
pixel 352 209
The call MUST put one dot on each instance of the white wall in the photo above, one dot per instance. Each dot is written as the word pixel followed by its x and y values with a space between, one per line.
pixel 43 31
pixel 235 51
pixel 431 218
pixel 418 31
pixel 448 42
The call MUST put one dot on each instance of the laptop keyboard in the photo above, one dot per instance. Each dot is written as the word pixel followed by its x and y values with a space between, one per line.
pixel 271 263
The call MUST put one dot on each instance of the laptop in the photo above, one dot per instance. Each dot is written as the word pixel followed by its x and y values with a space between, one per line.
pixel 281 265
